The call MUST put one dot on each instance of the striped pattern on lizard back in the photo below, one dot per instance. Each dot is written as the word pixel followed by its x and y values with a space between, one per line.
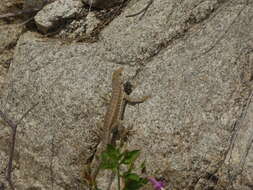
pixel 116 106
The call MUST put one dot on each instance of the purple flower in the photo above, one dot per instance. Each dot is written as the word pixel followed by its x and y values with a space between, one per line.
pixel 158 185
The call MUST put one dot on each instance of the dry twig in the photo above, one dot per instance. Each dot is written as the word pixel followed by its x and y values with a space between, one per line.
pixel 13 126
pixel 143 11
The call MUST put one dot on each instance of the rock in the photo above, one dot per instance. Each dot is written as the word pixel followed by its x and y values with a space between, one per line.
pixel 203 10
pixel 91 23
pixel 53 14
pixel 9 36
pixel 77 108
pixel 3 73
pixel 102 4
pixel 196 125
pixel 34 4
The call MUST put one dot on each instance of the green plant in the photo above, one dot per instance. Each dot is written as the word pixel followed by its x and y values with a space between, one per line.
pixel 115 160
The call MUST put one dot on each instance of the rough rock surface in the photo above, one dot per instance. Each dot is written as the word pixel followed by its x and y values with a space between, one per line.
pixel 53 14
pixel 102 4
pixel 194 57
pixel 9 35
pixel 35 4
pixel 3 73
pixel 91 23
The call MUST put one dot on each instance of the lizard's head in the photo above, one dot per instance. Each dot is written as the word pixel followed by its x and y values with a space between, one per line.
pixel 117 74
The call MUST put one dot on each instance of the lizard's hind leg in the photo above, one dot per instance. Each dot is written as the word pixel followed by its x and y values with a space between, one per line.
pixel 133 101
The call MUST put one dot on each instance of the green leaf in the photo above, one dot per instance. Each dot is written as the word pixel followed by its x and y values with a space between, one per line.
pixel 130 157
pixel 133 185
pixel 143 164
pixel 112 151
pixel 110 158
pixel 133 181
pixel 131 176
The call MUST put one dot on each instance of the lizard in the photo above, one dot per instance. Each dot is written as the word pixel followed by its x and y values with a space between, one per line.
pixel 113 117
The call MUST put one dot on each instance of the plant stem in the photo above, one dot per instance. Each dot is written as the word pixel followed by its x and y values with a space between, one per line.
pixel 118 175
